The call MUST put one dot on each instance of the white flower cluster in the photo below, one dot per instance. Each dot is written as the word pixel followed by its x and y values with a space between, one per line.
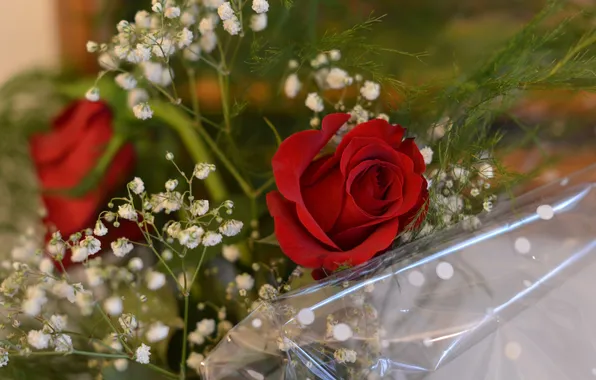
pixel 172 29
pixel 329 76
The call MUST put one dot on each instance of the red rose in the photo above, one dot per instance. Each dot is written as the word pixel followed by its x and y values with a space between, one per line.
pixel 66 154
pixel 343 208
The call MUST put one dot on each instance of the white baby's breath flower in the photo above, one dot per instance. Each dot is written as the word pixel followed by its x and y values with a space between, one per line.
pixel 92 46
pixel 141 53
pixel 174 229
pixel 230 252
pixel 157 332
pixel 120 365
pixel 208 42
pixel 337 78
pixel 314 102
pixel 164 48
pixel 232 26
pixel 63 343
pixel 100 229
pixel 427 154
pixel 292 86
pixel 293 64
pixel 155 280
pixel 206 25
pixel 142 111
pixel 334 55
pixel 91 244
pixel 79 254
pixel 344 355
pixel 157 7
pixel 193 52
pixel 121 247
pixel 35 298
pixel 211 239
pixel 245 281
pixel 206 327
pixel 123 26
pixel 135 264
pixel 38 339
pixel 63 289
pixel 213 4
pixel 194 361
pixel 92 94
pixel 187 18
pixel 113 306
pixel 202 170
pixel 319 61
pixel 225 11
pixel 260 6
pixel 126 81
pixel 137 186
pixel 370 90
pixel 172 12
pixel 143 19
pixel 56 248
pixel 258 22
pixel 58 322
pixel 143 353
pixel 383 116
pixel 196 337
pixel 46 265
pixel 486 170
pixel 268 292
pixel 200 207
pixel 107 62
pixel 184 38
pixel 126 211
pixel 171 184
pixel 94 276
pixel 231 227
pixel 136 96
pixel 4 357
pixel 475 192
pixel 191 237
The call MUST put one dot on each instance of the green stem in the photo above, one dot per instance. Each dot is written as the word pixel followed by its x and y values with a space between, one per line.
pixel 182 124
pixel 114 329
pixel 185 334
pixel 100 354
pixel 223 85
pixel 194 277
pixel 264 187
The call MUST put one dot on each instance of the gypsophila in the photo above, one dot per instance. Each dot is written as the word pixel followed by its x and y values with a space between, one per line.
pixel 258 22
pixel 245 281
pixel 314 102
pixel 230 252
pixel 208 42
pixel 155 280
pixel 121 247
pixel 231 227
pixel 184 38
pixel 260 6
pixel 136 96
pixel 187 18
pixel 63 343
pixel 142 111
pixel 171 184
pixel 191 237
pixel 225 11
pixel 232 26
pixel 268 292
pixel 337 78
pixel 292 86
pixel 142 354
pixel 113 306
pixel 100 229
pixel 199 208
pixel 211 238
pixel 92 94
pixel 92 46
pixel 91 244
pixel 427 155
pixel 172 12
pixel 206 327
pixel 157 332
pixel 202 170
pixel 38 339
pixel 194 361
pixel 344 355
pixel 126 81
pixel 370 90
pixel 206 25
pixel 128 212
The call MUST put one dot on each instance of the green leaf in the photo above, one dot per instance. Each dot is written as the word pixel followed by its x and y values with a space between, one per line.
pixel 271 240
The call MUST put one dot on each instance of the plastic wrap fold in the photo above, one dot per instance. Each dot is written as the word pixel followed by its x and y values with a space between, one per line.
pixel 514 299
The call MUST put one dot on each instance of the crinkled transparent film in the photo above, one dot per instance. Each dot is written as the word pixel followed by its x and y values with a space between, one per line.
pixel 512 300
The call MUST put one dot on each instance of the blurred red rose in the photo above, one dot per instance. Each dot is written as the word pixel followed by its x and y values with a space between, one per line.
pixel 343 208
pixel 65 155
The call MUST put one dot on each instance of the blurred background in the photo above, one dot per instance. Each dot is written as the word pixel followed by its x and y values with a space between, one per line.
pixel 51 34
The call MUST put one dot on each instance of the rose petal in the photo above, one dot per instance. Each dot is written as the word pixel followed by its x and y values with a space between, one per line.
pixel 295 241
pixel 294 155
pixel 413 218
pixel 379 128
pixel 379 240
pixel 324 198
pixel 67 129
pixel 409 148
pixel 366 148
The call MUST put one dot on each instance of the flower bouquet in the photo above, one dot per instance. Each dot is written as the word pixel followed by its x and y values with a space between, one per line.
pixel 235 217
